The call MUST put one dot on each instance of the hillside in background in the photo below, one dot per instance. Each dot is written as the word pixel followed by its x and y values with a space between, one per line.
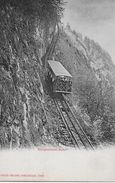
pixel 93 82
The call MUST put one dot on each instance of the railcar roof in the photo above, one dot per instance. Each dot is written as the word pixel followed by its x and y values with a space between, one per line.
pixel 58 68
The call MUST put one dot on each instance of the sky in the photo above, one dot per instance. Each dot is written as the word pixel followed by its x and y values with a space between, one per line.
pixel 95 19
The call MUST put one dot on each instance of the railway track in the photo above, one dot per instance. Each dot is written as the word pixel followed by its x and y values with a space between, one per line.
pixel 65 130
pixel 70 125
pixel 70 128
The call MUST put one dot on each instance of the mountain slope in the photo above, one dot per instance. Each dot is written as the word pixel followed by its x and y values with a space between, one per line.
pixel 93 81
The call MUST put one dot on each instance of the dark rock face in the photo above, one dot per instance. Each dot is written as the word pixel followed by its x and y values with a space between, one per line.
pixel 22 110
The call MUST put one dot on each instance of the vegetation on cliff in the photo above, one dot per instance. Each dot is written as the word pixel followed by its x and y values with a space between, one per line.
pixel 93 83
pixel 24 28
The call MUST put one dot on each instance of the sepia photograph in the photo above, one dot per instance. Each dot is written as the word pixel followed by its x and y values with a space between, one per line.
pixel 57 90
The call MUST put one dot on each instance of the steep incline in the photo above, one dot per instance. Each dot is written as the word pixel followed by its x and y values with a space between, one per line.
pixel 93 81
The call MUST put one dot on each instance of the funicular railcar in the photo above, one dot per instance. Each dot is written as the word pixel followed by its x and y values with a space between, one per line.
pixel 59 77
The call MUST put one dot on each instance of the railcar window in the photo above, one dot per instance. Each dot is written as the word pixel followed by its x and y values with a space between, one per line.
pixel 53 79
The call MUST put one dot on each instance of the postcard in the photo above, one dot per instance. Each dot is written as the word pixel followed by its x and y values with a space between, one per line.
pixel 57 90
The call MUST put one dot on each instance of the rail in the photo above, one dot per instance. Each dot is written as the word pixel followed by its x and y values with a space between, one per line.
pixel 65 123
pixel 76 122
pixel 50 49
pixel 73 127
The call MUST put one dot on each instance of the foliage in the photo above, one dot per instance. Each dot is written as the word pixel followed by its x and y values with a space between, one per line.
pixel 93 81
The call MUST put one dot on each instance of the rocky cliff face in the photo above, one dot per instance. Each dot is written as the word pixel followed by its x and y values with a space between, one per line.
pixel 23 34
